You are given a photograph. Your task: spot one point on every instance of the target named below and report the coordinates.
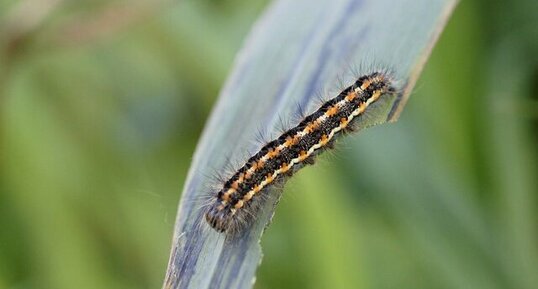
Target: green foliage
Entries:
(98, 129)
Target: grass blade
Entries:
(296, 50)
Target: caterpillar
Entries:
(235, 205)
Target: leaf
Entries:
(296, 50)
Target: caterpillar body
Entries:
(236, 204)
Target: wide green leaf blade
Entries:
(297, 51)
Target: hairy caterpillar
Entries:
(234, 206)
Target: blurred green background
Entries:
(102, 103)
